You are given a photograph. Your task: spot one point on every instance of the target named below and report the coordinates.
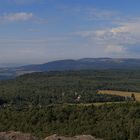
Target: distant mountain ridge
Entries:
(85, 63)
(70, 64)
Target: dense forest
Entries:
(110, 122)
(66, 87)
(49, 103)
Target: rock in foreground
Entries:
(16, 136)
(22, 136)
(81, 137)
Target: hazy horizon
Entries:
(35, 32)
(8, 65)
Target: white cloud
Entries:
(24, 41)
(116, 39)
(22, 2)
(90, 12)
(98, 14)
(132, 26)
(20, 16)
(114, 49)
(111, 38)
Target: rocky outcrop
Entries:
(81, 137)
(11, 135)
(16, 136)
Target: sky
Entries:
(39, 31)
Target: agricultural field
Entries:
(120, 93)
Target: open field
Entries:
(120, 93)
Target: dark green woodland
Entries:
(64, 103)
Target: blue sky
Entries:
(38, 31)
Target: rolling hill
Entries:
(69, 64)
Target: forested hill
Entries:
(65, 87)
(81, 64)
(86, 63)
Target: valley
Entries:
(72, 103)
